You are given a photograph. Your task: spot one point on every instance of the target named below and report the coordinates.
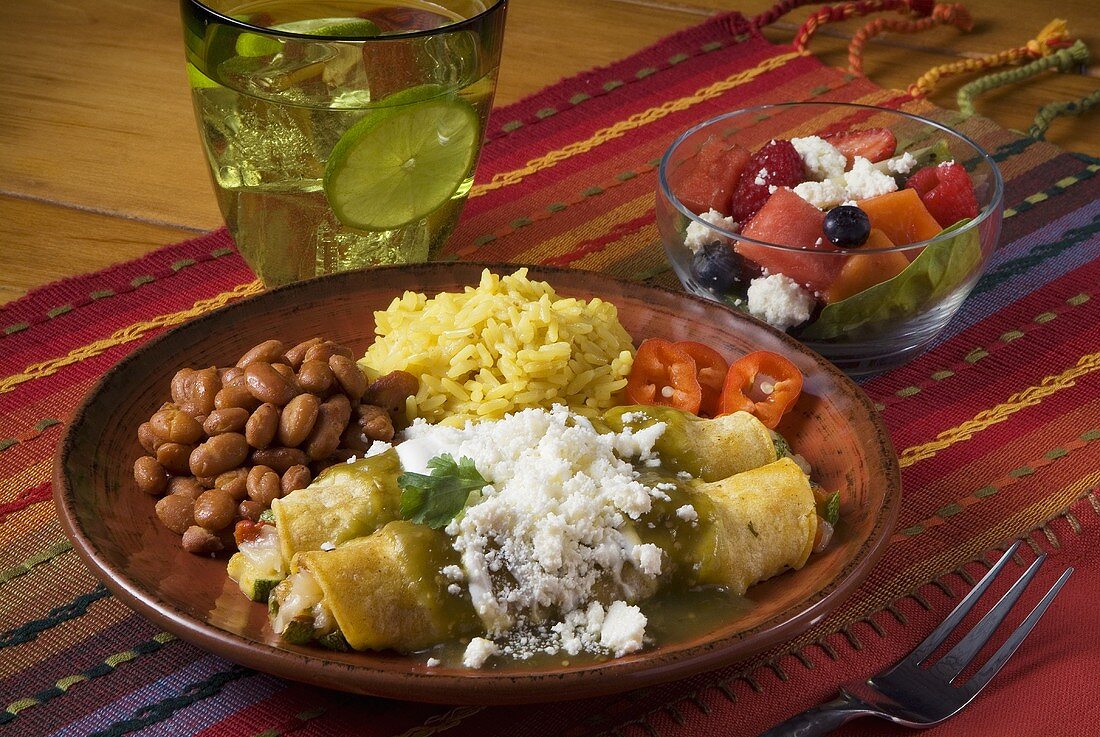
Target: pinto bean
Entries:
(230, 419)
(288, 373)
(375, 422)
(200, 541)
(176, 512)
(351, 379)
(231, 373)
(150, 476)
(250, 509)
(262, 426)
(354, 440)
(186, 486)
(332, 420)
(196, 388)
(219, 454)
(279, 459)
(235, 393)
(233, 482)
(215, 510)
(297, 419)
(263, 485)
(148, 439)
(390, 392)
(268, 385)
(325, 350)
(297, 354)
(270, 351)
(296, 477)
(176, 426)
(175, 458)
(316, 377)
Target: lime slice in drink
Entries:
(197, 79)
(402, 161)
(255, 44)
(350, 28)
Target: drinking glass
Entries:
(341, 134)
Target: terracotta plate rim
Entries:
(486, 687)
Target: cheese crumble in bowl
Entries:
(858, 230)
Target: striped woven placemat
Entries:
(997, 429)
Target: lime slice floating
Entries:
(255, 44)
(197, 79)
(403, 160)
(351, 28)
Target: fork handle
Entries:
(822, 719)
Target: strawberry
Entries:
(946, 191)
(873, 144)
(776, 164)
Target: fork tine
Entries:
(950, 665)
(986, 672)
(934, 640)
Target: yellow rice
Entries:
(508, 344)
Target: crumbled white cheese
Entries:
(946, 163)
(683, 475)
(687, 513)
(623, 629)
(865, 180)
(378, 447)
(478, 651)
(454, 589)
(550, 531)
(453, 573)
(902, 164)
(648, 558)
(779, 301)
(433, 662)
(761, 178)
(328, 545)
(699, 235)
(822, 195)
(822, 159)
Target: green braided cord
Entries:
(1048, 113)
(1063, 60)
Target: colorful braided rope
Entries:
(943, 14)
(1062, 60)
(1051, 38)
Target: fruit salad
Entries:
(841, 203)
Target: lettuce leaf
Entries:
(938, 270)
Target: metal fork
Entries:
(916, 696)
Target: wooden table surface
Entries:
(100, 160)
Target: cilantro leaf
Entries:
(782, 447)
(268, 515)
(832, 508)
(437, 499)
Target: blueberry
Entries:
(717, 266)
(847, 225)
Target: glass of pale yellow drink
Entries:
(341, 134)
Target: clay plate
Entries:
(113, 526)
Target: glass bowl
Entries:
(876, 327)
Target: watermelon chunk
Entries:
(788, 220)
(707, 181)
